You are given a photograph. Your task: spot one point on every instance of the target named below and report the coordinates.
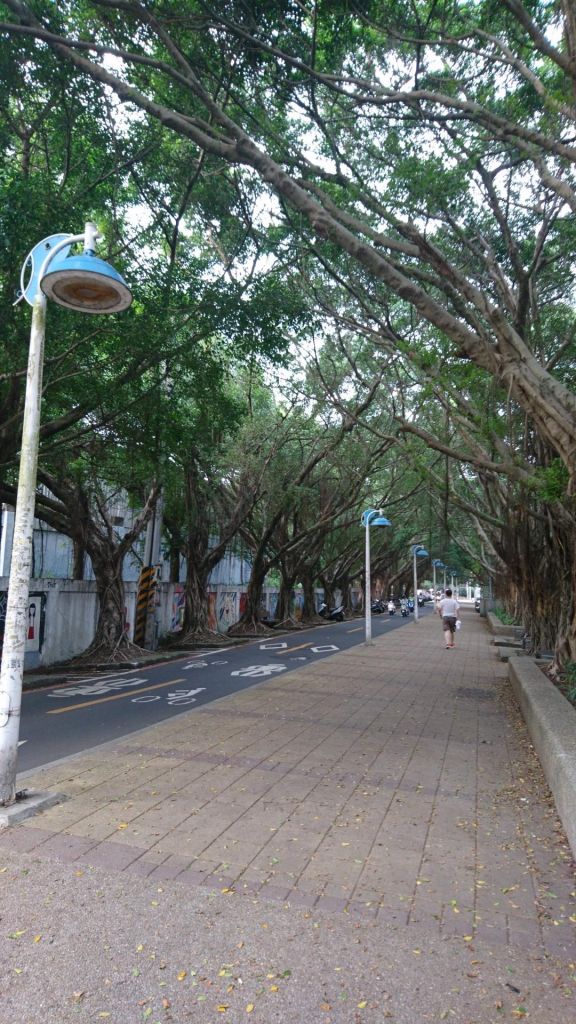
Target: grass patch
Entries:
(505, 618)
(567, 683)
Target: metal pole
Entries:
(434, 584)
(13, 650)
(368, 589)
(415, 588)
(12, 666)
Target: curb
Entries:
(551, 722)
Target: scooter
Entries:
(410, 605)
(332, 614)
(404, 611)
(377, 607)
(391, 608)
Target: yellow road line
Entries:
(290, 649)
(115, 696)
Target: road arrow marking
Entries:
(273, 647)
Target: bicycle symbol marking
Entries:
(178, 698)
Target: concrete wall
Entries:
(63, 613)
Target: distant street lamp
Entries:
(89, 285)
(437, 564)
(371, 517)
(417, 552)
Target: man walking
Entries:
(449, 611)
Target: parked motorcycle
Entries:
(477, 604)
(332, 614)
(377, 607)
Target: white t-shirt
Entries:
(448, 606)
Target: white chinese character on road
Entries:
(259, 670)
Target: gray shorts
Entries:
(449, 622)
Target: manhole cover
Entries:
(470, 693)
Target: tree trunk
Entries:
(250, 621)
(285, 614)
(79, 560)
(174, 566)
(111, 642)
(309, 613)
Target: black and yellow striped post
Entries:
(144, 601)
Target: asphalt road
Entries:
(60, 720)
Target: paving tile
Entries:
(301, 791)
(23, 838)
(170, 868)
(65, 847)
(300, 898)
(110, 856)
(141, 867)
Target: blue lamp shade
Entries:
(421, 553)
(374, 517)
(87, 284)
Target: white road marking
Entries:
(104, 686)
(259, 670)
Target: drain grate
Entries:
(471, 693)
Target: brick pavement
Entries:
(393, 782)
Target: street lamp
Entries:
(417, 552)
(437, 564)
(89, 285)
(371, 517)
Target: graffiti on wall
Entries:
(178, 604)
(35, 620)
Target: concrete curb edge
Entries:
(551, 722)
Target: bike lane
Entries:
(61, 720)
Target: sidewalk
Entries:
(368, 838)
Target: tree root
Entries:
(197, 638)
(249, 627)
(289, 623)
(108, 654)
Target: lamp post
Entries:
(90, 285)
(371, 517)
(437, 564)
(417, 552)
